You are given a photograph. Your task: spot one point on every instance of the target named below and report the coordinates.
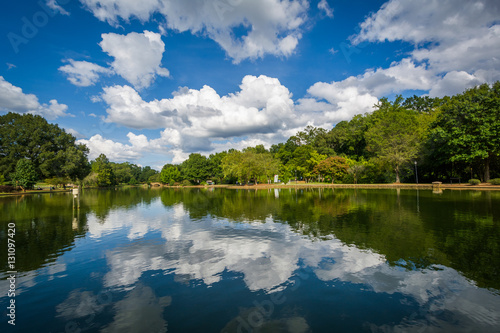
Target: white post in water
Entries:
(76, 195)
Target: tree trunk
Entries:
(487, 169)
(397, 173)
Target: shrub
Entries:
(203, 183)
(90, 180)
(474, 181)
(186, 182)
(495, 181)
(6, 189)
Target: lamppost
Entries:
(416, 172)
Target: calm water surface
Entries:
(215, 260)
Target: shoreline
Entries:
(481, 187)
(484, 186)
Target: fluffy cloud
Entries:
(137, 57)
(475, 53)
(116, 151)
(428, 20)
(453, 37)
(83, 73)
(52, 111)
(342, 100)
(261, 112)
(272, 26)
(13, 99)
(262, 105)
(453, 82)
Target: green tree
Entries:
(145, 173)
(268, 165)
(75, 164)
(284, 151)
(423, 104)
(335, 167)
(195, 168)
(25, 174)
(356, 169)
(215, 166)
(305, 158)
(468, 127)
(105, 175)
(46, 145)
(348, 137)
(154, 178)
(249, 165)
(170, 174)
(395, 135)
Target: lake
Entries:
(273, 260)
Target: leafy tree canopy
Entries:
(25, 174)
(170, 174)
(50, 149)
(468, 127)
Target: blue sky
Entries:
(152, 81)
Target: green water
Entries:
(287, 260)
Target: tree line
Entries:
(432, 138)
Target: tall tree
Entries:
(348, 137)
(25, 174)
(395, 135)
(46, 145)
(75, 164)
(195, 168)
(468, 127)
(170, 174)
(215, 166)
(105, 175)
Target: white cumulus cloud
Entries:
(263, 105)
(117, 151)
(13, 99)
(271, 26)
(83, 73)
(137, 56)
(453, 37)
